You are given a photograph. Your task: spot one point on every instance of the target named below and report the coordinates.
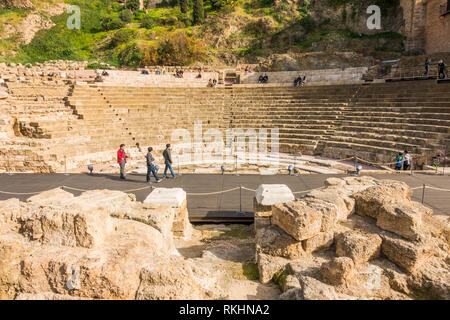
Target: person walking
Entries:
(407, 160)
(122, 160)
(399, 161)
(427, 66)
(151, 166)
(441, 68)
(167, 154)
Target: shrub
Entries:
(147, 22)
(199, 13)
(121, 36)
(110, 23)
(133, 5)
(184, 6)
(126, 15)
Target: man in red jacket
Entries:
(122, 160)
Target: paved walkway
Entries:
(218, 207)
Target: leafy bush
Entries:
(219, 4)
(147, 22)
(110, 23)
(126, 15)
(121, 36)
(133, 5)
(177, 48)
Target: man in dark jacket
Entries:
(168, 161)
(151, 166)
(441, 68)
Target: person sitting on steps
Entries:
(168, 161)
(298, 81)
(151, 169)
(263, 78)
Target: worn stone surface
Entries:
(339, 197)
(370, 201)
(270, 194)
(409, 255)
(338, 271)
(358, 245)
(321, 241)
(403, 218)
(276, 242)
(169, 279)
(303, 219)
(52, 196)
(314, 289)
(268, 266)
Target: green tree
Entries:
(199, 14)
(184, 6)
(133, 5)
(147, 22)
(126, 15)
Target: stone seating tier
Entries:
(88, 123)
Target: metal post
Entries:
(9, 166)
(240, 212)
(65, 166)
(423, 193)
(445, 159)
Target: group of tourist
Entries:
(299, 81)
(122, 157)
(263, 78)
(212, 83)
(403, 161)
(179, 73)
(442, 72)
(160, 71)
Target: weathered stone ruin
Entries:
(357, 238)
(55, 116)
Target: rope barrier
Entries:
(199, 194)
(21, 193)
(126, 191)
(212, 193)
(376, 163)
(438, 189)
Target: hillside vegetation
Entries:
(177, 32)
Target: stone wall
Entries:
(425, 26)
(316, 76)
(437, 34)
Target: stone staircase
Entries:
(87, 123)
